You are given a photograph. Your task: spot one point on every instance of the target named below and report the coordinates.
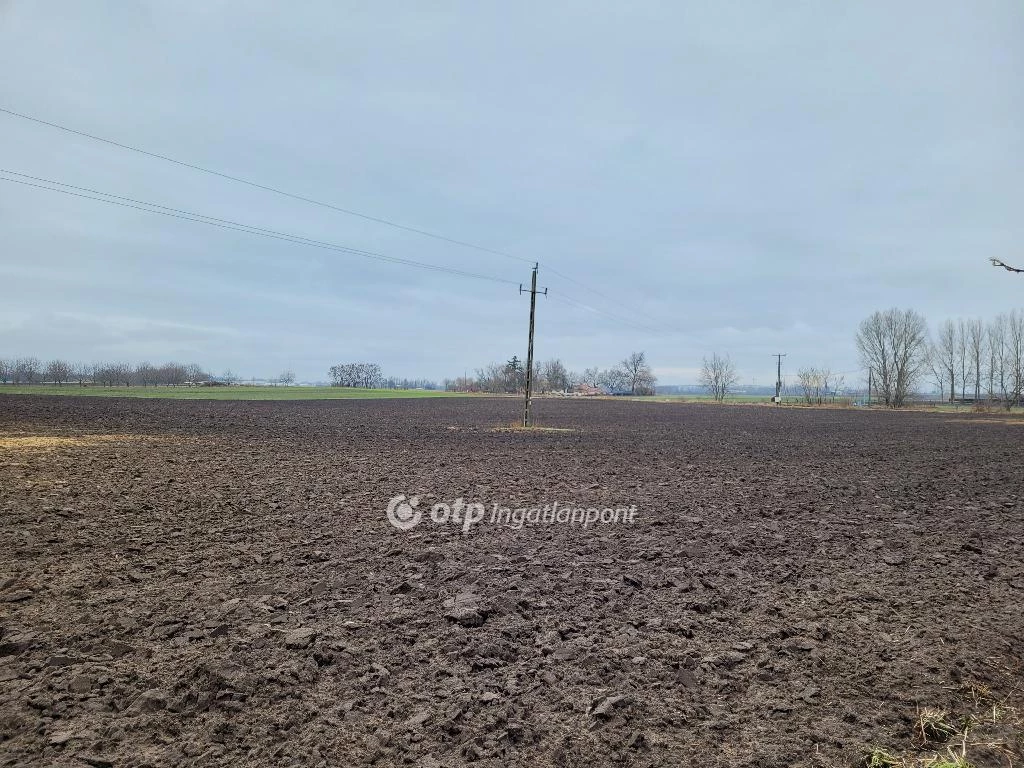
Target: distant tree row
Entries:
(985, 360)
(369, 376)
(30, 370)
(395, 382)
(819, 385)
(633, 375)
(982, 360)
(366, 375)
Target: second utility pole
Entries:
(529, 349)
(778, 378)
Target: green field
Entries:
(223, 393)
(696, 398)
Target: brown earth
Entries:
(217, 583)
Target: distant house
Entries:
(586, 390)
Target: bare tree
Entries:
(937, 370)
(995, 345)
(195, 374)
(59, 371)
(113, 374)
(6, 371)
(172, 374)
(1015, 357)
(637, 375)
(817, 384)
(1005, 342)
(146, 375)
(490, 378)
(962, 355)
(893, 345)
(828, 384)
(366, 375)
(287, 378)
(122, 373)
(555, 375)
(718, 375)
(102, 374)
(944, 355)
(646, 383)
(27, 370)
(811, 384)
(614, 380)
(460, 384)
(84, 372)
(838, 384)
(975, 337)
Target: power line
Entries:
(252, 230)
(186, 215)
(625, 321)
(604, 296)
(197, 215)
(573, 280)
(144, 205)
(617, 318)
(228, 224)
(303, 198)
(267, 187)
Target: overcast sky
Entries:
(745, 177)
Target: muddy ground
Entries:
(217, 583)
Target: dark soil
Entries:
(217, 583)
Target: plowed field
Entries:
(218, 583)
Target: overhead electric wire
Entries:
(268, 188)
(619, 319)
(303, 198)
(202, 216)
(610, 299)
(594, 291)
(249, 229)
(186, 215)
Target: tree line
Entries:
(632, 375)
(30, 370)
(366, 375)
(983, 359)
(967, 360)
(370, 376)
(819, 385)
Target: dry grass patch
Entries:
(533, 428)
(53, 442)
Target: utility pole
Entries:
(529, 349)
(778, 377)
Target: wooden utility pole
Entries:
(778, 378)
(529, 349)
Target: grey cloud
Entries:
(750, 177)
